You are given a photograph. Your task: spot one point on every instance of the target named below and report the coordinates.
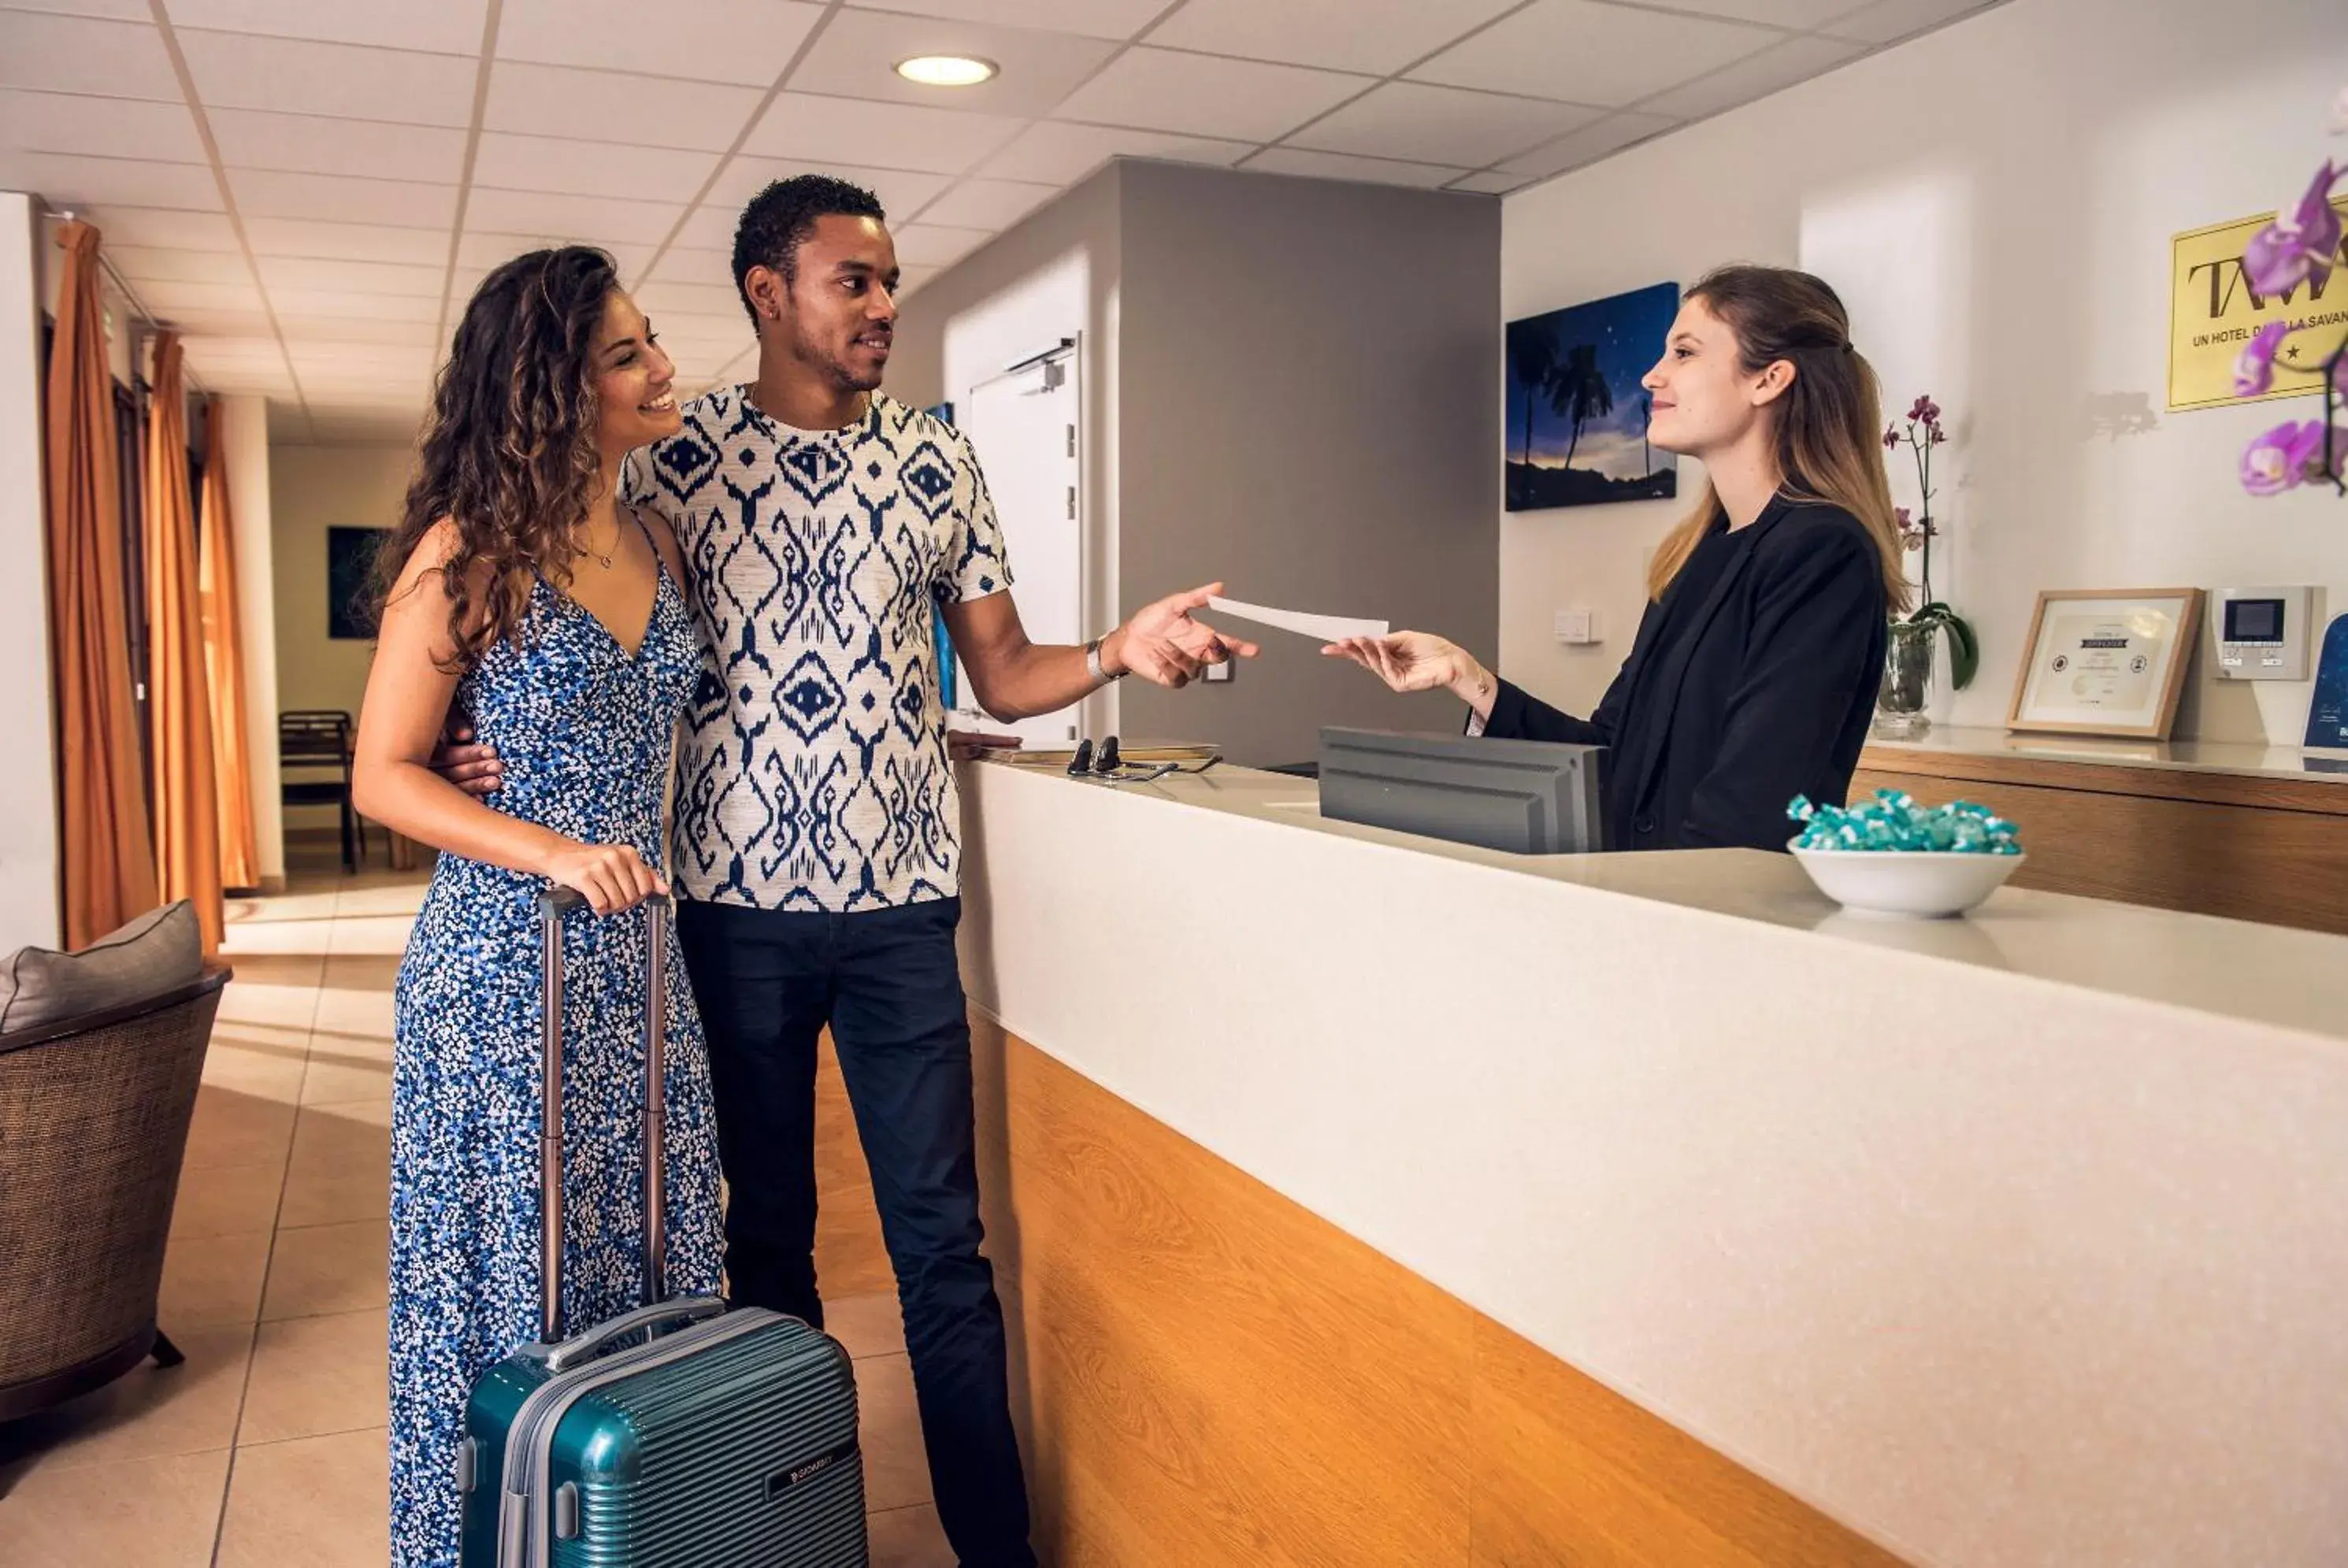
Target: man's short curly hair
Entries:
(779, 219)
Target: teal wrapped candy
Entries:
(1893, 820)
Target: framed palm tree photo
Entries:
(1576, 427)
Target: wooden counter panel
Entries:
(1209, 1374)
(2325, 795)
(2243, 862)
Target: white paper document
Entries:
(1327, 628)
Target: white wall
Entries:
(28, 804)
(311, 489)
(1995, 203)
(244, 446)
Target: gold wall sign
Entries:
(2213, 312)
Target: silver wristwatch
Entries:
(1092, 663)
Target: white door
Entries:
(1024, 428)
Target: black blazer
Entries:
(1764, 692)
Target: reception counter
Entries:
(1365, 1200)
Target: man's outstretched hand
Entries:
(1167, 644)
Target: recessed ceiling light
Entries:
(946, 70)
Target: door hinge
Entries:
(1072, 440)
(1072, 503)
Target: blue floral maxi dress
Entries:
(583, 731)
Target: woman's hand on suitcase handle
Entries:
(611, 877)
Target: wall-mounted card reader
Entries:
(2263, 632)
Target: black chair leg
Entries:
(350, 864)
(165, 1353)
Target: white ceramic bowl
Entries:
(1922, 883)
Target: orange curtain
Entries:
(178, 702)
(240, 858)
(106, 857)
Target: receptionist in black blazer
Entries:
(1754, 673)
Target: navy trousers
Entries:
(887, 983)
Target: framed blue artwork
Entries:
(948, 686)
(1576, 430)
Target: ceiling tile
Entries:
(98, 127)
(1202, 95)
(439, 26)
(213, 321)
(1379, 37)
(741, 41)
(367, 306)
(352, 277)
(128, 225)
(1771, 70)
(1798, 14)
(171, 296)
(857, 54)
(1586, 53)
(988, 203)
(1441, 125)
(69, 182)
(1491, 182)
(1058, 153)
(140, 264)
(82, 55)
(589, 220)
(120, 10)
(1095, 19)
(683, 263)
(483, 249)
(1590, 144)
(345, 329)
(401, 203)
(234, 70)
(744, 178)
(603, 106)
(928, 245)
(702, 298)
(314, 144)
(548, 163)
(709, 227)
(1340, 166)
(347, 242)
(912, 278)
(1890, 20)
(808, 129)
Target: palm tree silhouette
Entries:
(1533, 361)
(1578, 391)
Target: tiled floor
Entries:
(266, 1448)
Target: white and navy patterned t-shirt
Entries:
(814, 773)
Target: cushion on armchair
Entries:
(159, 952)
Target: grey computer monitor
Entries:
(1530, 797)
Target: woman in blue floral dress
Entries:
(519, 594)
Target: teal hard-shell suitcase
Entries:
(679, 1435)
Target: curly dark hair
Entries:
(509, 451)
(779, 219)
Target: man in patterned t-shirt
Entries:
(818, 852)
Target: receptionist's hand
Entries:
(1421, 661)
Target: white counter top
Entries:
(2245, 759)
(2011, 1240)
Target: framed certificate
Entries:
(2107, 661)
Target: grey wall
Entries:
(1309, 377)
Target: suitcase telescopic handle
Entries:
(552, 905)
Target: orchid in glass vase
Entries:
(2302, 245)
(1923, 432)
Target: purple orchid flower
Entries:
(1910, 534)
(2280, 459)
(2299, 244)
(2254, 366)
(1926, 410)
(1890, 436)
